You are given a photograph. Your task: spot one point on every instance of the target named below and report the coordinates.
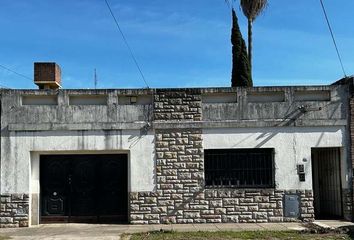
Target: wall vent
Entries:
(264, 97)
(322, 95)
(39, 100)
(219, 98)
(88, 100)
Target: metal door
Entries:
(327, 183)
(84, 188)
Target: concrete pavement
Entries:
(333, 224)
(110, 232)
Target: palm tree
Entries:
(251, 9)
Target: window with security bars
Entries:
(239, 168)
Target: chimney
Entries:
(47, 75)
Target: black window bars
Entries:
(239, 168)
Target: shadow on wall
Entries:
(265, 134)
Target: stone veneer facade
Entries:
(351, 139)
(180, 196)
(14, 209)
(347, 204)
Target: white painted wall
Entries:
(291, 145)
(23, 149)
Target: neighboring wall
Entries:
(350, 83)
(165, 132)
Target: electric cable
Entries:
(332, 35)
(19, 74)
(127, 44)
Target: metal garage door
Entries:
(84, 188)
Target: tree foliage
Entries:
(241, 72)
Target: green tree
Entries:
(251, 9)
(241, 72)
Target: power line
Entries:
(19, 74)
(127, 44)
(95, 78)
(334, 40)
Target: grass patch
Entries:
(4, 238)
(267, 235)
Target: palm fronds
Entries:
(252, 8)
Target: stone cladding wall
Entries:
(219, 206)
(181, 104)
(351, 135)
(14, 209)
(347, 204)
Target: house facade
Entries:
(157, 156)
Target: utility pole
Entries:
(95, 79)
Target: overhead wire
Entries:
(17, 73)
(127, 44)
(13, 71)
(333, 38)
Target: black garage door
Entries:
(84, 188)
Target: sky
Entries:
(184, 43)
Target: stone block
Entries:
(275, 219)
(230, 201)
(220, 210)
(260, 199)
(150, 200)
(215, 203)
(230, 219)
(200, 220)
(246, 217)
(6, 220)
(246, 200)
(217, 220)
(253, 208)
(184, 221)
(184, 175)
(189, 214)
(198, 175)
(151, 216)
(139, 222)
(159, 210)
(134, 207)
(134, 217)
(241, 208)
(260, 215)
(168, 220)
(199, 207)
(267, 205)
(177, 196)
(16, 197)
(207, 212)
(166, 202)
(224, 193)
(238, 194)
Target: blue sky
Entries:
(184, 43)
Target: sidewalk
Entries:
(103, 232)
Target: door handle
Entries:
(69, 180)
